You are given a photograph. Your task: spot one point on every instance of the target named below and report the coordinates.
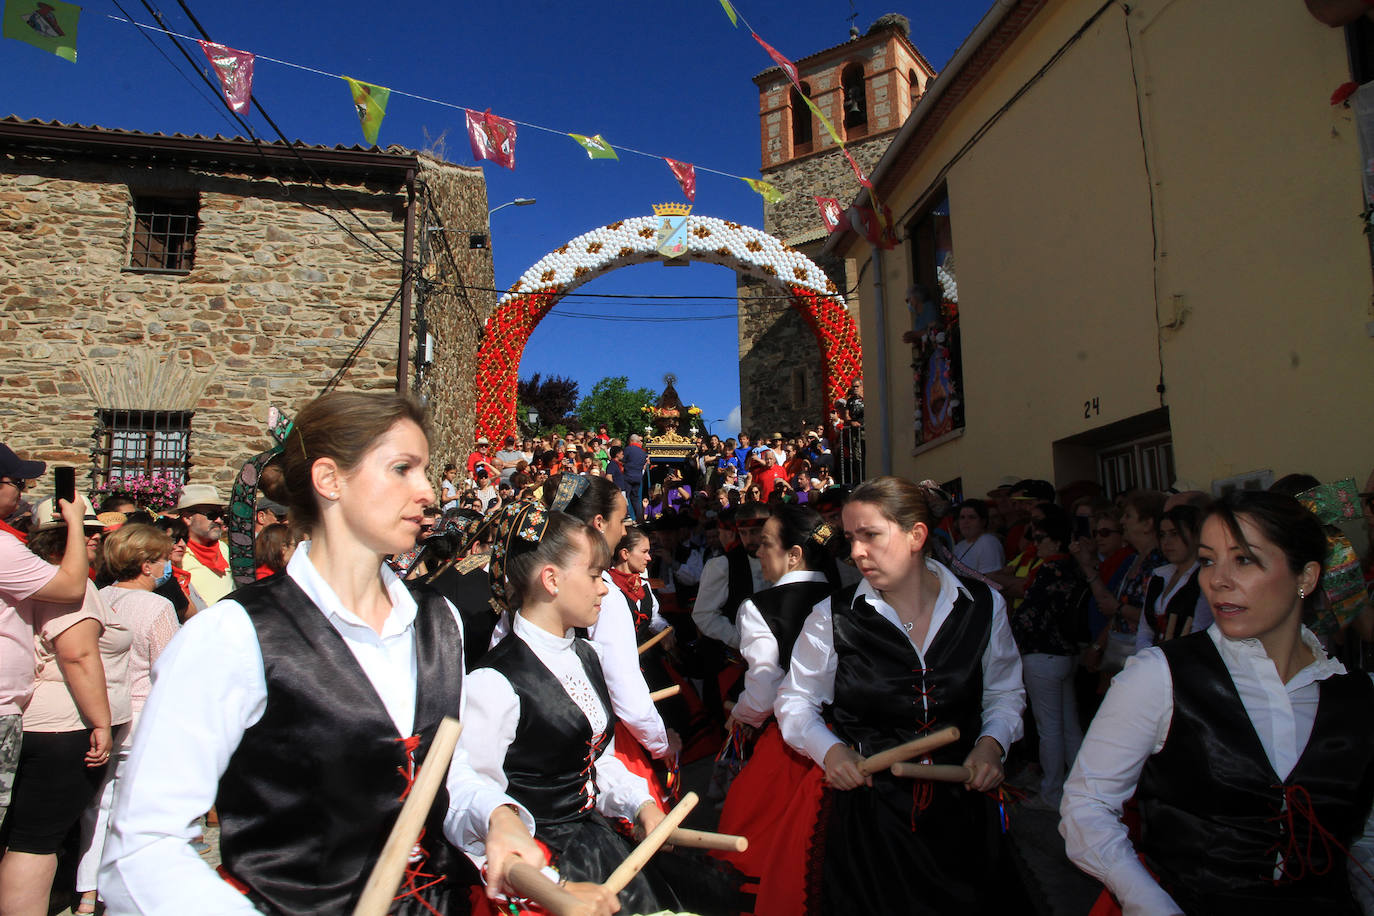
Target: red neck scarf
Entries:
(209, 556)
(629, 583)
(23, 538)
(183, 579)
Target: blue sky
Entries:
(667, 79)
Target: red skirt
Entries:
(774, 803)
(637, 760)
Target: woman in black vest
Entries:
(299, 704)
(1174, 605)
(795, 554)
(540, 723)
(1249, 751)
(909, 650)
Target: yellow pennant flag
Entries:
(370, 103)
(730, 11)
(770, 193)
(596, 147)
(825, 122)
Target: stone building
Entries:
(866, 87)
(160, 292)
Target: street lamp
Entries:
(534, 419)
(518, 202)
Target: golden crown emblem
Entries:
(675, 209)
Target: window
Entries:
(801, 120)
(131, 443)
(855, 98)
(915, 82)
(933, 302)
(164, 236)
(1146, 463)
(798, 388)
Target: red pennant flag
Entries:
(858, 172)
(787, 66)
(871, 226)
(686, 175)
(235, 72)
(491, 137)
(830, 212)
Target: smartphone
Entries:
(1081, 526)
(64, 483)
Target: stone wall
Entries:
(781, 369)
(278, 296)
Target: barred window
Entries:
(133, 443)
(164, 236)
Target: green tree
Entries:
(612, 402)
(554, 398)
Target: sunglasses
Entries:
(210, 514)
(20, 485)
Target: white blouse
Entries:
(208, 689)
(810, 681)
(493, 715)
(759, 647)
(1132, 725)
(1202, 611)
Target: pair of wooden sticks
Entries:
(894, 759)
(379, 892)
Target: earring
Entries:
(1302, 592)
(555, 591)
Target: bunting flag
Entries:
(49, 25)
(730, 11)
(686, 175)
(596, 147)
(872, 226)
(858, 172)
(787, 66)
(235, 72)
(370, 103)
(770, 193)
(825, 122)
(492, 137)
(830, 212)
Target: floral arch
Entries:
(634, 241)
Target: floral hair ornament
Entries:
(822, 534)
(242, 498)
(518, 529)
(1342, 585)
(570, 486)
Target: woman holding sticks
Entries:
(1249, 751)
(794, 554)
(300, 705)
(540, 723)
(909, 650)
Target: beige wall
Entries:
(1256, 196)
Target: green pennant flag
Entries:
(46, 24)
(730, 11)
(596, 147)
(370, 103)
(770, 193)
(825, 122)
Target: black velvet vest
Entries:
(643, 614)
(1183, 604)
(548, 765)
(784, 608)
(739, 583)
(470, 593)
(883, 695)
(314, 787)
(1212, 808)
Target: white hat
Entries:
(45, 509)
(198, 494)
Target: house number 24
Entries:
(1091, 409)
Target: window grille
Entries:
(142, 442)
(164, 236)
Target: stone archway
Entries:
(633, 241)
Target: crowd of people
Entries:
(1192, 679)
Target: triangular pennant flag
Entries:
(730, 11)
(830, 212)
(235, 72)
(858, 172)
(787, 66)
(870, 225)
(770, 193)
(825, 122)
(491, 137)
(686, 175)
(46, 24)
(370, 103)
(596, 147)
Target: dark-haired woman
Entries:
(298, 705)
(909, 650)
(1249, 751)
(1174, 603)
(977, 548)
(186, 601)
(540, 724)
(772, 801)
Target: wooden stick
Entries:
(380, 890)
(665, 693)
(637, 859)
(701, 839)
(530, 883)
(935, 772)
(1169, 627)
(885, 759)
(655, 639)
